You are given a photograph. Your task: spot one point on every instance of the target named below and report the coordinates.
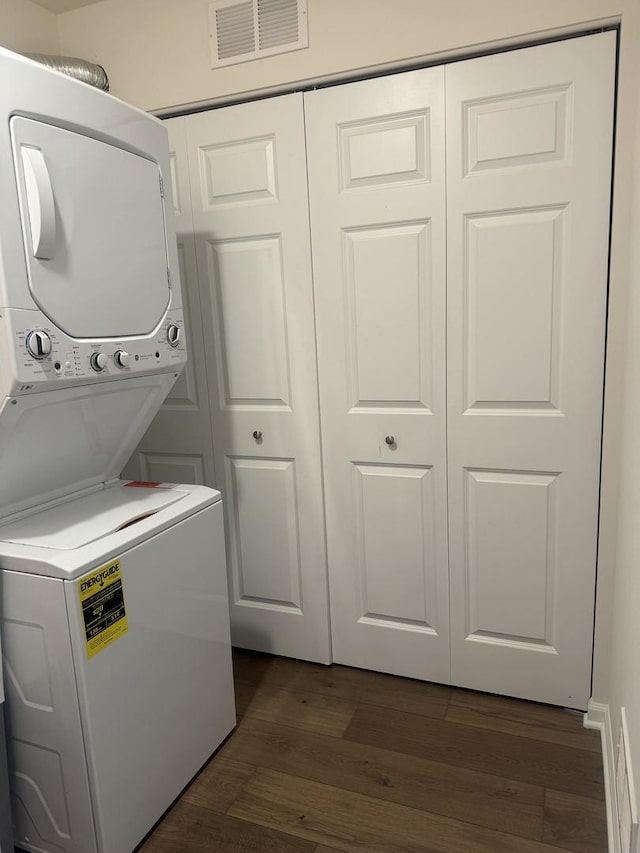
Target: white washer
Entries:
(115, 620)
(102, 745)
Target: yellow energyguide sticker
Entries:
(102, 602)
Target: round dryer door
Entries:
(94, 231)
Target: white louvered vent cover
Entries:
(250, 29)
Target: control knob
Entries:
(38, 344)
(121, 358)
(98, 361)
(173, 335)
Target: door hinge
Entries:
(169, 277)
(161, 186)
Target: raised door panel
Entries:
(237, 171)
(510, 544)
(385, 150)
(265, 533)
(512, 302)
(250, 321)
(172, 468)
(376, 178)
(248, 184)
(521, 129)
(178, 445)
(394, 515)
(388, 314)
(528, 180)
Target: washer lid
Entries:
(58, 442)
(68, 539)
(77, 523)
(94, 232)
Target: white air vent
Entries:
(250, 29)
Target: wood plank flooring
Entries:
(329, 759)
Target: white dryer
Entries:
(114, 604)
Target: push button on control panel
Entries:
(38, 344)
(121, 358)
(173, 335)
(98, 361)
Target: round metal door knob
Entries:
(257, 434)
(390, 439)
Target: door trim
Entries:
(443, 57)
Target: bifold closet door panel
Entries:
(178, 447)
(376, 179)
(250, 207)
(529, 146)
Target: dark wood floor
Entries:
(333, 758)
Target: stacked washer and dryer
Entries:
(115, 626)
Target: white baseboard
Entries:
(598, 716)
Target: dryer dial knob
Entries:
(173, 335)
(38, 344)
(98, 361)
(122, 358)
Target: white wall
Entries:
(156, 54)
(617, 391)
(625, 648)
(27, 28)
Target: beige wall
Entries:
(156, 52)
(617, 393)
(27, 28)
(624, 682)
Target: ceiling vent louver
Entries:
(251, 29)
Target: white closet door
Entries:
(376, 179)
(528, 179)
(248, 186)
(178, 447)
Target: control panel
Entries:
(44, 353)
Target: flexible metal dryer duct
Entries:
(94, 75)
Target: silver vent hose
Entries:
(94, 75)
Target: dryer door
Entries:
(94, 231)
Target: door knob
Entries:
(390, 439)
(257, 434)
